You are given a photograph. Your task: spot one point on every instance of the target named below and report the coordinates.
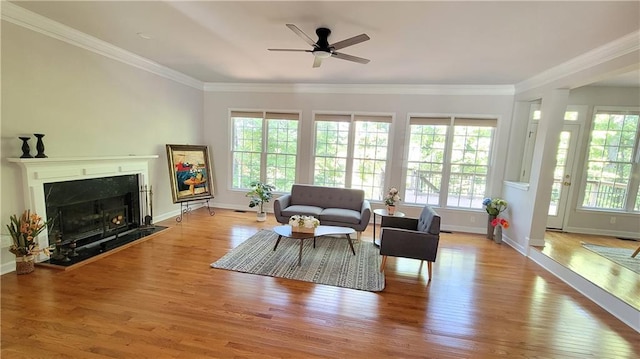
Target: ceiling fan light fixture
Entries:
(321, 54)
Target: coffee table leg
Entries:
(351, 245)
(278, 241)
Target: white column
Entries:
(554, 105)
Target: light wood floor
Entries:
(160, 299)
(566, 249)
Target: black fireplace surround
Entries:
(89, 210)
(92, 216)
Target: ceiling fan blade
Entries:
(350, 58)
(317, 61)
(296, 50)
(304, 36)
(350, 41)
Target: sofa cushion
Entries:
(327, 197)
(340, 215)
(302, 210)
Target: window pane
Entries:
(425, 165)
(471, 149)
(370, 157)
(332, 140)
(610, 160)
(246, 150)
(558, 173)
(282, 147)
(246, 168)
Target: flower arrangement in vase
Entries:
(24, 231)
(499, 223)
(493, 207)
(390, 200)
(303, 224)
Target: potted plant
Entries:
(390, 200)
(24, 231)
(260, 194)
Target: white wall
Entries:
(88, 105)
(217, 132)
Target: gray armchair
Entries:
(411, 237)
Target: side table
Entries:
(382, 213)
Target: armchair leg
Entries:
(358, 235)
(384, 262)
(429, 267)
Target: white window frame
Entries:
(450, 121)
(634, 178)
(352, 118)
(265, 116)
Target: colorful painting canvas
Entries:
(190, 172)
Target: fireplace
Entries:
(90, 210)
(92, 200)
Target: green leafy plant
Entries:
(494, 206)
(260, 194)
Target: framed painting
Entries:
(190, 172)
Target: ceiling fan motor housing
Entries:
(323, 42)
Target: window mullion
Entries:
(446, 168)
(350, 152)
(263, 153)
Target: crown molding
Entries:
(30, 20)
(370, 89)
(625, 45)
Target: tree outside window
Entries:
(448, 161)
(264, 148)
(612, 171)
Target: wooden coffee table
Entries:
(285, 231)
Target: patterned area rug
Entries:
(331, 262)
(622, 256)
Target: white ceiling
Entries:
(418, 42)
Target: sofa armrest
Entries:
(365, 212)
(405, 243)
(279, 204)
(399, 222)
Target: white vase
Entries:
(261, 216)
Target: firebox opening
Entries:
(90, 210)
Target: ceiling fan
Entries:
(322, 49)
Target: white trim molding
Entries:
(38, 23)
(373, 89)
(600, 55)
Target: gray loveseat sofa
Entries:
(342, 207)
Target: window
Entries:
(351, 151)
(448, 161)
(264, 147)
(612, 169)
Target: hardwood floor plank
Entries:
(161, 299)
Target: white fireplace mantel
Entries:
(38, 171)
